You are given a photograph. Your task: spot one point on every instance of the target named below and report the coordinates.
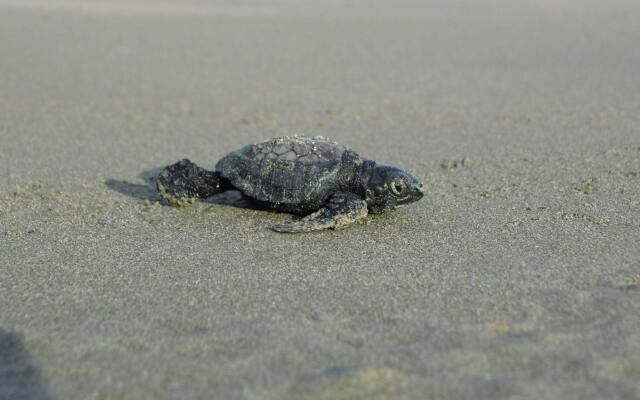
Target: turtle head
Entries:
(391, 187)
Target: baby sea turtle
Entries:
(299, 175)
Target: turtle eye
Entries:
(397, 187)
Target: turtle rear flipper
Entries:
(184, 182)
(341, 209)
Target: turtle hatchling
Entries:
(328, 184)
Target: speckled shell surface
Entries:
(287, 170)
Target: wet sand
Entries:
(517, 276)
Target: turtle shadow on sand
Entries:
(19, 378)
(147, 191)
(136, 190)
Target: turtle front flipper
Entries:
(184, 182)
(341, 209)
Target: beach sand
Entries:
(517, 276)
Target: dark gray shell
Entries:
(287, 170)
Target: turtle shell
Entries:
(286, 170)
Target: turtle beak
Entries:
(419, 188)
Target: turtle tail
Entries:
(184, 182)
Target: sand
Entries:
(517, 276)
